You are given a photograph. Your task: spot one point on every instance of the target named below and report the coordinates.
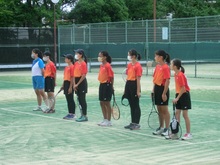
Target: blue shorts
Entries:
(38, 82)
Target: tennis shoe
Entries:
(70, 117)
(50, 111)
(109, 123)
(187, 136)
(158, 131)
(135, 126)
(165, 132)
(172, 136)
(38, 109)
(105, 123)
(128, 126)
(82, 119)
(99, 124)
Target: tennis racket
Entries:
(80, 107)
(115, 108)
(177, 132)
(52, 101)
(124, 74)
(153, 118)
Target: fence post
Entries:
(196, 30)
(107, 32)
(89, 33)
(126, 32)
(147, 46)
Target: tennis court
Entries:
(28, 137)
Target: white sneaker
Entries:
(165, 132)
(45, 110)
(37, 109)
(158, 131)
(109, 123)
(99, 124)
(105, 123)
(172, 136)
(187, 136)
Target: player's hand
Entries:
(164, 97)
(175, 100)
(75, 87)
(138, 94)
(70, 90)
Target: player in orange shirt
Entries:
(68, 86)
(106, 79)
(50, 78)
(133, 88)
(80, 82)
(161, 81)
(182, 99)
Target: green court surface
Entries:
(35, 138)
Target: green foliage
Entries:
(89, 11)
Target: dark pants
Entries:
(69, 98)
(81, 94)
(131, 95)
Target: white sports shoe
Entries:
(172, 136)
(37, 109)
(99, 124)
(166, 132)
(187, 136)
(109, 123)
(158, 131)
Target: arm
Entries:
(166, 86)
(182, 90)
(42, 71)
(138, 87)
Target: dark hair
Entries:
(178, 64)
(133, 52)
(108, 57)
(166, 56)
(81, 51)
(38, 52)
(70, 57)
(47, 53)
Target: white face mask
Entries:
(76, 57)
(129, 58)
(32, 56)
(45, 59)
(99, 59)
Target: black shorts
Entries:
(49, 84)
(184, 103)
(83, 87)
(105, 92)
(158, 91)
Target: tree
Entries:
(90, 11)
(140, 9)
(186, 8)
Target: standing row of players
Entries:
(74, 80)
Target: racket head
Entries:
(153, 120)
(115, 111)
(115, 108)
(124, 100)
(124, 74)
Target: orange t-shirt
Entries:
(161, 73)
(80, 69)
(105, 73)
(133, 71)
(50, 70)
(68, 72)
(180, 81)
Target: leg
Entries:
(50, 95)
(39, 99)
(161, 117)
(187, 121)
(82, 102)
(102, 104)
(166, 115)
(137, 111)
(108, 110)
(70, 103)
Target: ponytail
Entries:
(138, 56)
(182, 69)
(85, 58)
(167, 58)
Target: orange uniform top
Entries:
(180, 81)
(80, 69)
(134, 71)
(68, 72)
(161, 73)
(105, 73)
(50, 70)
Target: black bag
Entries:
(174, 126)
